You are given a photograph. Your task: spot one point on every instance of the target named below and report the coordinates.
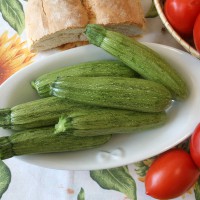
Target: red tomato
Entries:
(182, 14)
(196, 33)
(195, 145)
(171, 175)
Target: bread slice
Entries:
(125, 16)
(51, 23)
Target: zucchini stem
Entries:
(5, 148)
(63, 124)
(33, 85)
(5, 118)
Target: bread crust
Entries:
(51, 23)
(115, 12)
(47, 19)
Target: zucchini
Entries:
(114, 92)
(107, 121)
(146, 62)
(37, 113)
(43, 140)
(93, 68)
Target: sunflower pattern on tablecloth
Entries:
(13, 13)
(14, 55)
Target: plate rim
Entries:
(56, 56)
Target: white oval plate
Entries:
(121, 149)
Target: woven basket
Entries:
(159, 7)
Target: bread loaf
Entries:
(51, 23)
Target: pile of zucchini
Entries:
(83, 105)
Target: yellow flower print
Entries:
(13, 55)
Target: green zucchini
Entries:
(93, 68)
(114, 92)
(146, 62)
(108, 121)
(37, 113)
(43, 140)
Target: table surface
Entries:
(30, 182)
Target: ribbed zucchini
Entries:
(93, 68)
(146, 62)
(108, 121)
(43, 140)
(37, 113)
(115, 92)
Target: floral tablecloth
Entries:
(30, 182)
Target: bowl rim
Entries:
(159, 7)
